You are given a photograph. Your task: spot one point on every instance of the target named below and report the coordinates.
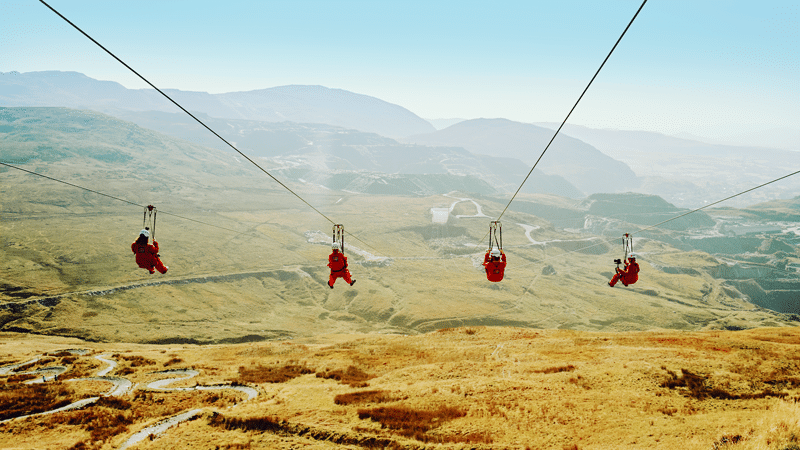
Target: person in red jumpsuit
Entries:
(627, 275)
(338, 264)
(147, 254)
(495, 264)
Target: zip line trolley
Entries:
(149, 220)
(338, 236)
(627, 248)
(495, 235)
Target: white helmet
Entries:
(495, 253)
(632, 256)
(145, 233)
(335, 246)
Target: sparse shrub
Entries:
(580, 381)
(470, 331)
(698, 388)
(114, 403)
(26, 367)
(557, 369)
(101, 423)
(263, 374)
(277, 425)
(726, 440)
(137, 361)
(21, 378)
(666, 410)
(352, 376)
(24, 399)
(364, 397)
(173, 361)
(410, 422)
(265, 423)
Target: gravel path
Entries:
(164, 425)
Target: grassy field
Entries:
(421, 352)
(467, 387)
(247, 258)
(68, 270)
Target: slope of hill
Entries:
(313, 104)
(580, 163)
(299, 149)
(247, 259)
(691, 173)
(459, 388)
(319, 104)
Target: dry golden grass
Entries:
(22, 399)
(234, 292)
(458, 388)
(262, 374)
(352, 376)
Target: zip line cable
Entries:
(122, 199)
(143, 206)
(571, 110)
(609, 241)
(322, 214)
(718, 201)
(198, 120)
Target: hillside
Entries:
(312, 151)
(689, 172)
(581, 164)
(247, 258)
(457, 388)
(309, 104)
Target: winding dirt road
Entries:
(122, 386)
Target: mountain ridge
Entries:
(596, 172)
(300, 103)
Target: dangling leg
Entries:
(614, 279)
(331, 280)
(348, 278)
(160, 266)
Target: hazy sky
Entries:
(712, 68)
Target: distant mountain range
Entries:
(310, 151)
(581, 164)
(690, 172)
(305, 104)
(321, 155)
(331, 129)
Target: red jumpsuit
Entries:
(628, 275)
(494, 269)
(338, 264)
(147, 257)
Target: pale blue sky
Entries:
(712, 68)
